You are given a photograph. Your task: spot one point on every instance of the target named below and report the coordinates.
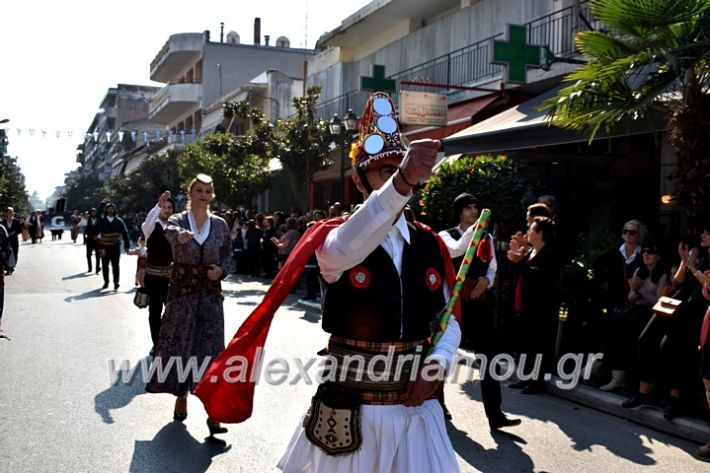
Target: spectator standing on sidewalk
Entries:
(536, 302)
(14, 229)
(704, 348)
(667, 344)
(4, 256)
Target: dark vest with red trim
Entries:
(478, 267)
(160, 253)
(372, 302)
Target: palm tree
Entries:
(655, 56)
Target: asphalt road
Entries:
(60, 412)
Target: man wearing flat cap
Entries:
(112, 229)
(477, 315)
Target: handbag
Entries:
(668, 307)
(333, 421)
(141, 299)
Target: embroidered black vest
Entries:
(478, 267)
(92, 229)
(371, 302)
(160, 253)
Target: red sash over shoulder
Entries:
(232, 401)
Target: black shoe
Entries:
(503, 421)
(98, 270)
(214, 429)
(534, 388)
(636, 401)
(105, 285)
(673, 408)
(180, 415)
(519, 385)
(115, 287)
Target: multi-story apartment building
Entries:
(120, 126)
(201, 74)
(446, 47)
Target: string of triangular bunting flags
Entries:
(94, 136)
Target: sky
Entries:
(60, 57)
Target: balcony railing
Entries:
(471, 65)
(174, 140)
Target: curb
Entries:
(688, 428)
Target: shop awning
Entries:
(459, 118)
(523, 126)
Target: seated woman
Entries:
(667, 344)
(620, 345)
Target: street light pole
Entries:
(343, 129)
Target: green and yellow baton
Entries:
(478, 232)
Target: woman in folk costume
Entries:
(192, 327)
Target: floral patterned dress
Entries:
(192, 327)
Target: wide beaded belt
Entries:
(158, 270)
(191, 279)
(109, 239)
(378, 372)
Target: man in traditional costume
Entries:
(155, 275)
(384, 285)
(91, 239)
(385, 282)
(477, 302)
(111, 228)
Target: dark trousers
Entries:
(268, 262)
(312, 283)
(113, 254)
(92, 247)
(2, 295)
(478, 329)
(15, 246)
(157, 288)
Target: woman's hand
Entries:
(184, 237)
(683, 252)
(693, 260)
(214, 273)
(635, 283)
(516, 252)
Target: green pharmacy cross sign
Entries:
(516, 55)
(378, 82)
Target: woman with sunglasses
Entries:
(646, 286)
(667, 345)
